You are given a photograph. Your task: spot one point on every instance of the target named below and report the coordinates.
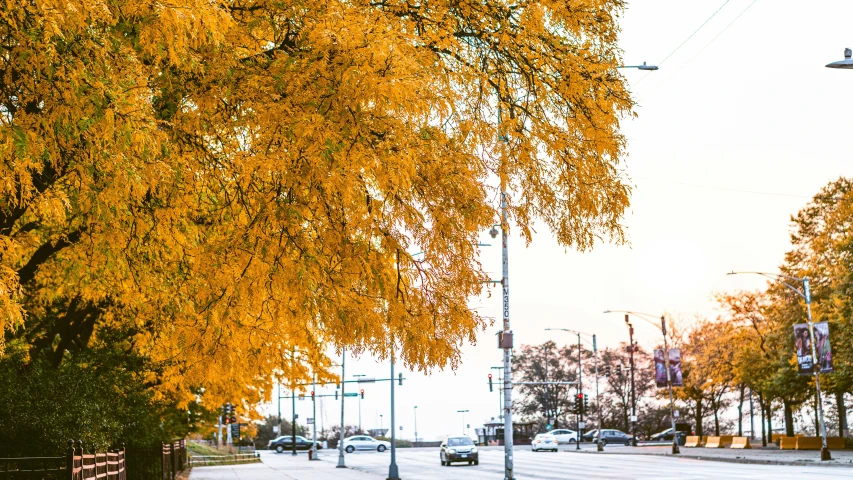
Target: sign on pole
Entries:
(351, 394)
(309, 421)
(674, 368)
(803, 345)
(235, 431)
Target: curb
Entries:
(729, 459)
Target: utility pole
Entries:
(505, 336)
(599, 446)
(751, 417)
(293, 423)
(393, 474)
(416, 424)
(669, 385)
(341, 463)
(314, 450)
(633, 396)
(579, 397)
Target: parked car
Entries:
(285, 442)
(565, 435)
(666, 436)
(458, 449)
(544, 441)
(363, 442)
(609, 436)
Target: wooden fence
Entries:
(162, 463)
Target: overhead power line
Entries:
(685, 40)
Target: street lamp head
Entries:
(847, 63)
(647, 67)
(493, 232)
(608, 311)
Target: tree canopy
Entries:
(227, 189)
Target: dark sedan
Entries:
(285, 442)
(459, 449)
(609, 436)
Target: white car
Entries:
(544, 441)
(565, 435)
(363, 442)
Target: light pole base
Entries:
(824, 454)
(675, 450)
(600, 447)
(341, 463)
(393, 473)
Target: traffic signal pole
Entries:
(580, 397)
(599, 446)
(341, 463)
(633, 396)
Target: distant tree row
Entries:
(749, 350)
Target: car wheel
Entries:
(350, 449)
(470, 462)
(572, 440)
(279, 448)
(380, 448)
(442, 463)
(476, 462)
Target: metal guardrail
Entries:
(211, 460)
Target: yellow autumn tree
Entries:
(229, 184)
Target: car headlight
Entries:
(474, 450)
(451, 450)
(538, 441)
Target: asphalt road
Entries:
(423, 463)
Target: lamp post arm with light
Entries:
(847, 63)
(807, 296)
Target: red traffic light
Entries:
(580, 396)
(362, 393)
(312, 393)
(490, 375)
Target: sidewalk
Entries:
(285, 467)
(756, 455)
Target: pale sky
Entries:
(734, 135)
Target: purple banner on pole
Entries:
(674, 368)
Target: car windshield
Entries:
(459, 442)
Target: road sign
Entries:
(235, 431)
(633, 418)
(366, 380)
(580, 424)
(547, 426)
(351, 394)
(309, 421)
(275, 429)
(302, 396)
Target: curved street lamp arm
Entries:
(778, 278)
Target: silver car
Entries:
(363, 442)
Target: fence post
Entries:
(69, 461)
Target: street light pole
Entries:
(359, 403)
(314, 450)
(341, 463)
(393, 474)
(675, 449)
(463, 420)
(669, 386)
(580, 398)
(807, 296)
(633, 396)
(416, 425)
(599, 446)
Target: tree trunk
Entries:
(763, 431)
(789, 418)
(740, 413)
(770, 419)
(716, 408)
(699, 415)
(842, 413)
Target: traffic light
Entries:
(362, 393)
(490, 383)
(336, 394)
(312, 395)
(607, 370)
(585, 402)
(619, 370)
(401, 378)
(579, 401)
